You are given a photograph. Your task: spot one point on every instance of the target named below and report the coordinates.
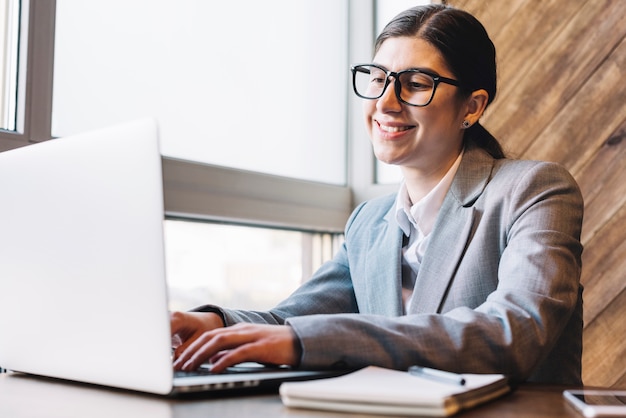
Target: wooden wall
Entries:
(562, 97)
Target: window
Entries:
(239, 266)
(254, 85)
(26, 61)
(9, 49)
(304, 218)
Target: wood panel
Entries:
(562, 98)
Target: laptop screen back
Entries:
(82, 276)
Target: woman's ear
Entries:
(476, 104)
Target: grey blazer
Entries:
(498, 289)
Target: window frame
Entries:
(207, 192)
(35, 123)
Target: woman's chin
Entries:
(386, 158)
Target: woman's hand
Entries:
(186, 327)
(224, 347)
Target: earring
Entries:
(466, 124)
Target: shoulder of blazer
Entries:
(478, 169)
(371, 211)
(473, 174)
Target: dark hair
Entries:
(466, 48)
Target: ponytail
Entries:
(483, 138)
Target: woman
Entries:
(473, 266)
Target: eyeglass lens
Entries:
(416, 87)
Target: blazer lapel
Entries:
(451, 231)
(441, 259)
(383, 269)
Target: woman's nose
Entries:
(389, 101)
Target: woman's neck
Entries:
(420, 182)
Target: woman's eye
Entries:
(417, 83)
(416, 86)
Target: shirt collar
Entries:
(422, 214)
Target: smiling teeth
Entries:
(393, 129)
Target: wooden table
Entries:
(25, 396)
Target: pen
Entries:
(439, 375)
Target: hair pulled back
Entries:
(465, 46)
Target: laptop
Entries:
(83, 290)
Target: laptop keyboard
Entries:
(205, 370)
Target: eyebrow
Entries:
(423, 69)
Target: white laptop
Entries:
(83, 292)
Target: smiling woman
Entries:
(470, 267)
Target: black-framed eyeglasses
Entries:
(414, 87)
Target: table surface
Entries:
(27, 396)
